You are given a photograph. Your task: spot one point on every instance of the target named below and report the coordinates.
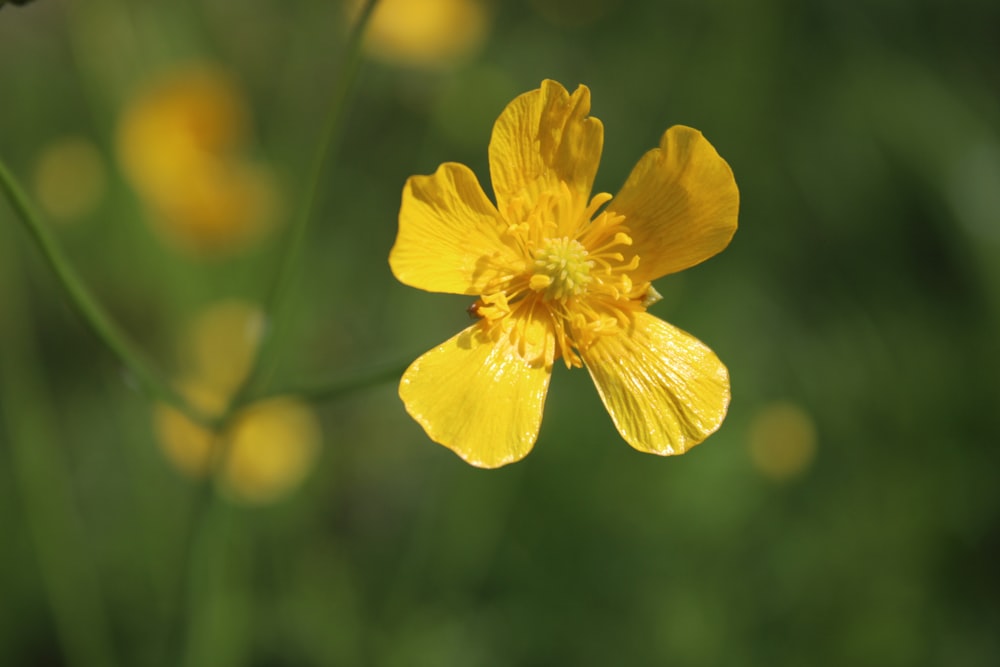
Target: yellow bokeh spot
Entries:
(782, 440)
(268, 446)
(69, 179)
(220, 343)
(425, 33)
(225, 207)
(188, 445)
(272, 445)
(182, 142)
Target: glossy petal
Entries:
(477, 396)
(543, 139)
(680, 204)
(448, 239)
(665, 390)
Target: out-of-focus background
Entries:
(848, 511)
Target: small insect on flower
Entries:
(560, 273)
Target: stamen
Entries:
(567, 274)
(596, 202)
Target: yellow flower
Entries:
(181, 142)
(269, 445)
(426, 33)
(561, 274)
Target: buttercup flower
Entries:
(561, 274)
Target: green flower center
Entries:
(561, 268)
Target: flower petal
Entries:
(665, 390)
(680, 204)
(476, 395)
(449, 238)
(543, 139)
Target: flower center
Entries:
(561, 278)
(561, 268)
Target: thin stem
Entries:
(93, 314)
(180, 630)
(181, 607)
(347, 384)
(277, 305)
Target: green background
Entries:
(863, 286)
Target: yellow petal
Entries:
(478, 396)
(449, 234)
(665, 390)
(680, 204)
(543, 139)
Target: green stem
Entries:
(106, 329)
(344, 385)
(277, 304)
(181, 630)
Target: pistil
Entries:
(561, 269)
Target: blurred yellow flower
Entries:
(425, 33)
(69, 178)
(562, 275)
(220, 343)
(181, 142)
(782, 440)
(273, 444)
(187, 444)
(269, 445)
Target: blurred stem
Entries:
(183, 632)
(347, 384)
(278, 301)
(44, 484)
(217, 606)
(106, 329)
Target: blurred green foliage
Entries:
(863, 288)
